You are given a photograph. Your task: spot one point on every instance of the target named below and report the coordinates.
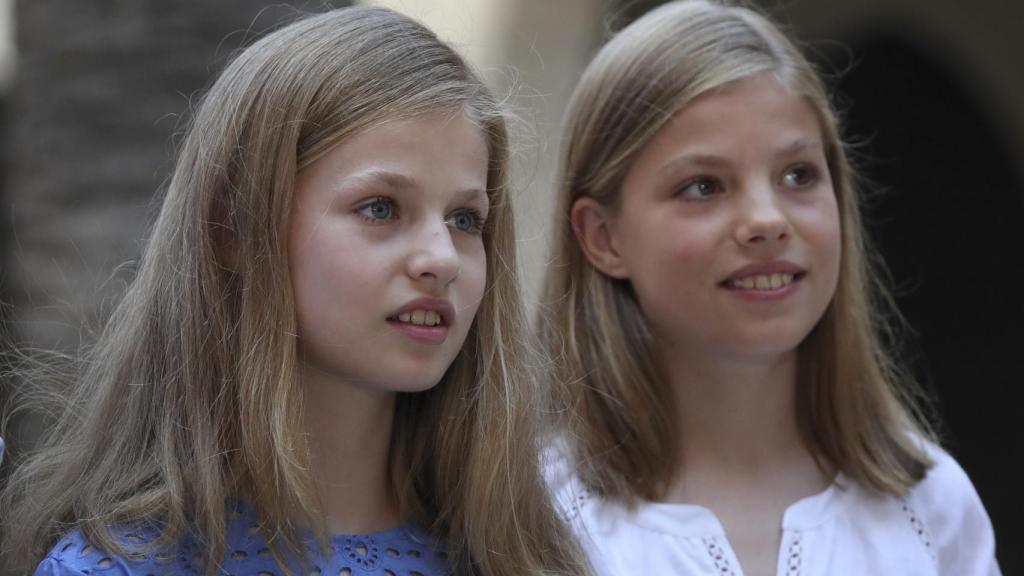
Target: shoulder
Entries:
(74, 555)
(945, 508)
(945, 496)
(566, 490)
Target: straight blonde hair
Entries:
(190, 397)
(856, 409)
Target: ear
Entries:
(592, 225)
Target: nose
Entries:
(434, 259)
(762, 220)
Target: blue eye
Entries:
(800, 176)
(700, 189)
(378, 209)
(466, 221)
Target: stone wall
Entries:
(87, 141)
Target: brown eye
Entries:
(699, 189)
(800, 176)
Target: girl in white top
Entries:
(729, 404)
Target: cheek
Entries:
(473, 275)
(836, 252)
(829, 230)
(670, 275)
(316, 288)
(823, 231)
(670, 257)
(330, 270)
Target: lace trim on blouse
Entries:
(795, 555)
(717, 554)
(918, 526)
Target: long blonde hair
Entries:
(190, 396)
(856, 409)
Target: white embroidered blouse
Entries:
(939, 529)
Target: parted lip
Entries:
(765, 268)
(441, 306)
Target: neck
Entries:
(349, 433)
(737, 418)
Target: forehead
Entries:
(417, 133)
(438, 147)
(752, 112)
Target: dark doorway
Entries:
(949, 221)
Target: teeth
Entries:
(762, 281)
(421, 317)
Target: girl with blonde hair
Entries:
(728, 404)
(320, 366)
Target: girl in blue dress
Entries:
(319, 368)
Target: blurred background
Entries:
(92, 93)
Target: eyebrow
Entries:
(801, 144)
(699, 159)
(693, 160)
(402, 183)
(392, 180)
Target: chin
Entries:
(418, 381)
(415, 386)
(766, 342)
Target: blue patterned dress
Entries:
(403, 551)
